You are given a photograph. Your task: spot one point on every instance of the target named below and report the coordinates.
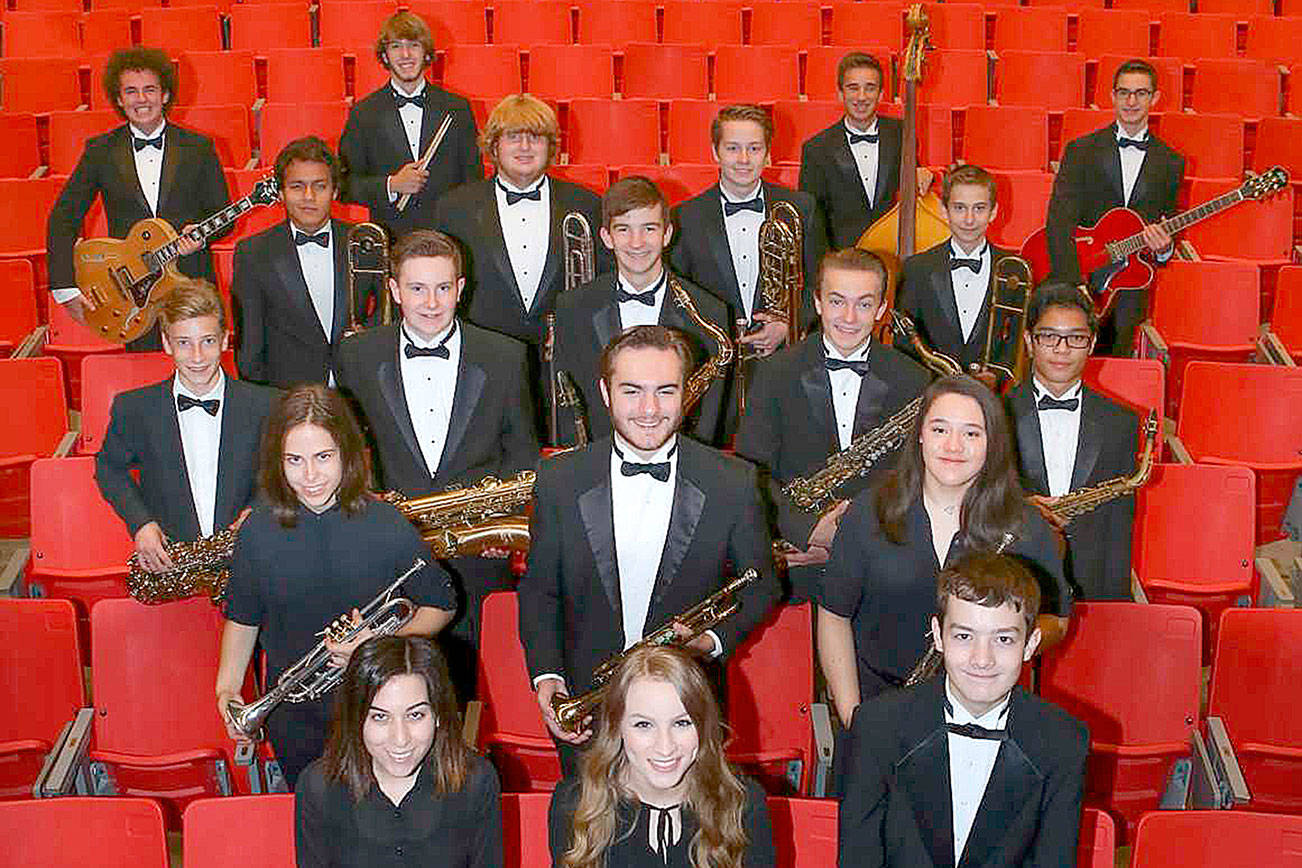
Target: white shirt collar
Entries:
(858, 355)
(958, 253)
(178, 388)
(536, 185)
(1122, 134)
(432, 342)
(420, 88)
(661, 454)
(872, 127)
(1041, 391)
(657, 286)
(296, 230)
(756, 192)
(136, 133)
(955, 712)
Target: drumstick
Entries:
(428, 155)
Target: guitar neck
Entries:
(1174, 224)
(206, 228)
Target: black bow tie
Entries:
(859, 367)
(1048, 402)
(657, 470)
(756, 205)
(441, 351)
(647, 298)
(185, 402)
(869, 138)
(141, 144)
(322, 238)
(956, 262)
(972, 730)
(403, 100)
(1140, 144)
(534, 195)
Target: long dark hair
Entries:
(993, 504)
(371, 666)
(313, 404)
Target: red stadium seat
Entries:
(679, 182)
(856, 24)
(84, 830)
(773, 22)
(955, 78)
(216, 77)
(1153, 6)
(665, 71)
(511, 729)
(103, 377)
(1210, 570)
(23, 218)
(19, 319)
(1030, 28)
(281, 123)
(1113, 31)
(353, 24)
(1216, 839)
(531, 22)
(1212, 145)
(1279, 143)
(22, 154)
(69, 131)
(40, 34)
(1076, 122)
(592, 120)
(305, 75)
(785, 174)
(265, 824)
(701, 22)
(226, 125)
(1170, 80)
(794, 124)
(454, 22)
(49, 646)
(1286, 313)
(1193, 37)
(956, 26)
(133, 6)
(935, 132)
(571, 71)
(196, 28)
(756, 73)
(1295, 101)
(1290, 8)
(1249, 88)
(689, 130)
(1260, 231)
(482, 70)
(47, 6)
(69, 341)
(1238, 8)
(1255, 671)
(524, 830)
(820, 69)
(39, 84)
(603, 23)
(1049, 79)
(105, 30)
(1023, 200)
(1098, 840)
(595, 178)
(1274, 39)
(1140, 717)
(35, 388)
(804, 831)
(987, 142)
(1247, 415)
(262, 26)
(1137, 383)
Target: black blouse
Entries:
(631, 848)
(449, 830)
(888, 591)
(292, 582)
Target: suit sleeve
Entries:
(760, 852)
(214, 192)
(842, 585)
(560, 814)
(1121, 518)
(680, 258)
(519, 440)
(472, 167)
(251, 316)
(113, 464)
(1059, 830)
(65, 221)
(1065, 204)
(816, 244)
(487, 819)
(363, 182)
(749, 546)
(542, 620)
(813, 182)
(861, 836)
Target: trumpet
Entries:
(572, 711)
(314, 675)
(579, 268)
(368, 254)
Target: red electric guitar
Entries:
(1112, 251)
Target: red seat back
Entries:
(735, 67)
(43, 644)
(281, 123)
(69, 131)
(352, 24)
(103, 378)
(773, 22)
(572, 71)
(665, 71)
(451, 23)
(1250, 88)
(1192, 36)
(1105, 31)
(528, 22)
(1023, 198)
(804, 831)
(955, 77)
(1212, 145)
(704, 22)
(265, 824)
(1286, 315)
(85, 830)
(678, 181)
(987, 144)
(591, 120)
(1260, 231)
(39, 34)
(40, 84)
(226, 125)
(18, 315)
(602, 23)
(1026, 27)
(482, 70)
(22, 153)
(261, 26)
(1136, 383)
(28, 203)
(689, 130)
(525, 831)
(794, 121)
(217, 77)
(34, 388)
(196, 27)
(862, 24)
(1098, 840)
(1217, 839)
(305, 75)
(1049, 79)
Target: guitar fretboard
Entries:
(1172, 225)
(206, 228)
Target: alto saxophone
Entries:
(716, 366)
(199, 567)
(464, 521)
(1066, 508)
(572, 711)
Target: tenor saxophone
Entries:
(199, 567)
(465, 521)
(716, 366)
(1066, 508)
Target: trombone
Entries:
(579, 268)
(368, 255)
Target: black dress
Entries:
(292, 582)
(632, 849)
(450, 830)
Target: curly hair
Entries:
(139, 59)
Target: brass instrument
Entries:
(579, 265)
(468, 520)
(567, 394)
(572, 711)
(716, 366)
(1064, 509)
(199, 567)
(368, 254)
(903, 329)
(781, 282)
(1005, 351)
(314, 675)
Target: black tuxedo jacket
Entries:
(570, 612)
(701, 254)
(927, 296)
(280, 341)
(143, 435)
(587, 319)
(789, 429)
(897, 809)
(374, 145)
(829, 173)
(1098, 543)
(1089, 183)
(469, 214)
(490, 432)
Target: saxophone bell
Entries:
(716, 366)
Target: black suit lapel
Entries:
(393, 128)
(597, 511)
(490, 226)
(1029, 445)
(1013, 788)
(872, 400)
(125, 162)
(888, 155)
(343, 316)
(923, 777)
(716, 240)
(605, 319)
(171, 447)
(685, 514)
(227, 472)
(430, 118)
(1111, 162)
(471, 378)
(290, 273)
(942, 289)
(173, 156)
(1089, 440)
(818, 392)
(553, 273)
(388, 377)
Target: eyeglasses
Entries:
(1051, 340)
(1125, 93)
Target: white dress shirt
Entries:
(742, 230)
(201, 436)
(971, 760)
(318, 266)
(635, 313)
(429, 383)
(411, 116)
(1132, 160)
(866, 158)
(845, 389)
(969, 289)
(526, 229)
(1059, 436)
(642, 506)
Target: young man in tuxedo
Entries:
(853, 167)
(635, 529)
(946, 290)
(1121, 165)
(811, 400)
(967, 768)
(446, 404)
(635, 227)
(389, 131)
(1070, 437)
(510, 226)
(290, 285)
(193, 439)
(147, 167)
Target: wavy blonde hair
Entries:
(715, 795)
